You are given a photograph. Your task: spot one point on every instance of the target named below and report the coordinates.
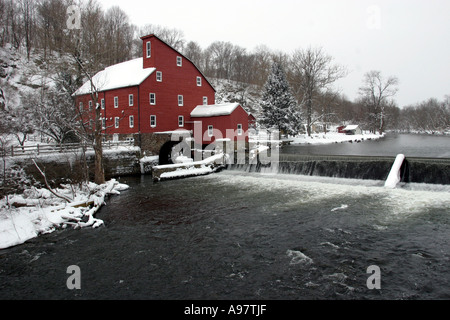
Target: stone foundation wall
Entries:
(68, 167)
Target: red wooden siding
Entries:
(223, 123)
(176, 81)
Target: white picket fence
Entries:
(40, 149)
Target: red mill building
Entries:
(148, 98)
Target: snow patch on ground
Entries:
(38, 211)
(334, 137)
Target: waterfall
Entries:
(427, 170)
(421, 170)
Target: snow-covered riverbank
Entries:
(39, 211)
(334, 137)
(318, 138)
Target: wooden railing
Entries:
(40, 149)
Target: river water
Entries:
(411, 145)
(246, 236)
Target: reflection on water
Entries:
(411, 145)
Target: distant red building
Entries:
(156, 93)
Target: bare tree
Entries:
(173, 37)
(119, 33)
(428, 116)
(93, 42)
(51, 23)
(99, 171)
(376, 92)
(194, 52)
(314, 74)
(27, 9)
(222, 59)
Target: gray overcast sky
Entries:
(409, 39)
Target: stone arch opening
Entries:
(165, 153)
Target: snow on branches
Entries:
(279, 107)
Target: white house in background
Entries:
(352, 129)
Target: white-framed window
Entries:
(116, 122)
(149, 49)
(205, 101)
(130, 100)
(210, 131)
(104, 123)
(116, 102)
(103, 104)
(179, 61)
(159, 76)
(199, 81)
(239, 129)
(131, 121)
(180, 100)
(81, 107)
(181, 121)
(152, 98)
(90, 105)
(153, 121)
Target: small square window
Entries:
(159, 76)
(152, 99)
(179, 61)
(130, 100)
(180, 100)
(180, 121)
(199, 81)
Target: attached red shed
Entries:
(251, 121)
(221, 121)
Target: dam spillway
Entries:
(414, 169)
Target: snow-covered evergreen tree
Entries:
(278, 106)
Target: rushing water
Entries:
(240, 235)
(235, 235)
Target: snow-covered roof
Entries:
(122, 75)
(214, 110)
(351, 127)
